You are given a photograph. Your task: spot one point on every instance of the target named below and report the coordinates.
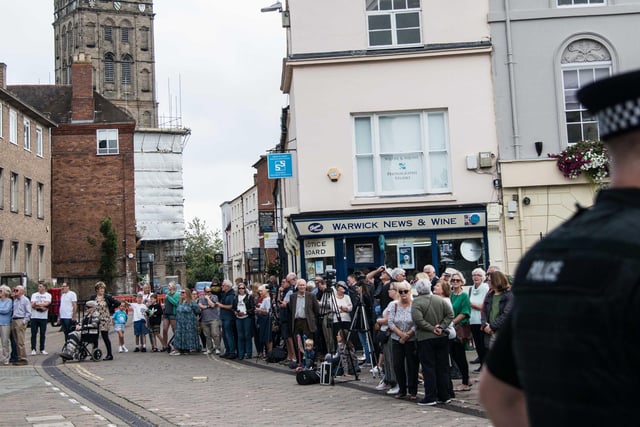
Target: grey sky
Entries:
(227, 56)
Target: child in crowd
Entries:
(120, 318)
(341, 358)
(309, 354)
(140, 330)
(154, 315)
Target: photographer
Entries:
(323, 338)
(382, 280)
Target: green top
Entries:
(495, 307)
(461, 305)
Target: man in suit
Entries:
(304, 310)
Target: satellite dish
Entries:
(471, 250)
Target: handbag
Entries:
(383, 336)
(463, 333)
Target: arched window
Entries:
(109, 68)
(125, 76)
(583, 61)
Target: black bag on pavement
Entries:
(307, 377)
(276, 355)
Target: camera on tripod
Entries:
(329, 276)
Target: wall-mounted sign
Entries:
(319, 248)
(280, 165)
(266, 221)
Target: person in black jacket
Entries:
(244, 308)
(105, 306)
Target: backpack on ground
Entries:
(276, 355)
(307, 377)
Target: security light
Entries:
(274, 7)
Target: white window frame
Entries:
(393, 14)
(26, 126)
(590, 3)
(1, 256)
(1, 120)
(1, 188)
(586, 119)
(41, 264)
(28, 196)
(13, 126)
(40, 200)
(13, 192)
(28, 259)
(426, 151)
(14, 256)
(39, 142)
(112, 145)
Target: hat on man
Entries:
(90, 303)
(616, 103)
(450, 271)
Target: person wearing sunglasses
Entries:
(19, 321)
(403, 343)
(244, 308)
(462, 312)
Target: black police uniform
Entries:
(573, 341)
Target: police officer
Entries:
(570, 353)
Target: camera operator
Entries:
(324, 338)
(382, 280)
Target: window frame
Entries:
(108, 151)
(26, 127)
(109, 68)
(125, 70)
(393, 13)
(108, 33)
(14, 256)
(586, 118)
(28, 196)
(425, 150)
(1, 188)
(39, 142)
(40, 200)
(1, 120)
(13, 126)
(590, 3)
(13, 192)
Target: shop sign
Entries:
(319, 248)
(417, 222)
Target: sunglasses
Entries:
(240, 289)
(406, 291)
(456, 280)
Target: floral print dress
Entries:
(186, 337)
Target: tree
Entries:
(108, 252)
(201, 246)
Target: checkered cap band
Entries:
(619, 118)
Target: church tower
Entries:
(118, 35)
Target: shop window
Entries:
(461, 251)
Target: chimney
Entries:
(82, 103)
(3, 75)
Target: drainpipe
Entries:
(521, 223)
(512, 84)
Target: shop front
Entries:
(362, 241)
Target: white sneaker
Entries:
(383, 386)
(394, 390)
(33, 352)
(125, 349)
(375, 370)
(44, 352)
(120, 350)
(217, 352)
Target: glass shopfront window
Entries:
(462, 251)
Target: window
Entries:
(109, 69)
(571, 3)
(124, 35)
(393, 22)
(40, 200)
(27, 196)
(108, 33)
(107, 141)
(13, 126)
(13, 192)
(1, 120)
(401, 154)
(126, 70)
(14, 256)
(1, 188)
(583, 62)
(28, 261)
(39, 143)
(41, 266)
(27, 135)
(1, 256)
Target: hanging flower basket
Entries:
(585, 157)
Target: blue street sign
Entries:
(280, 165)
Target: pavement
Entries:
(199, 389)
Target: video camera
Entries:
(329, 276)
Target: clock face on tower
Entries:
(117, 5)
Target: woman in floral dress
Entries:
(186, 338)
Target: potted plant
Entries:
(585, 157)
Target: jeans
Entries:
(405, 365)
(228, 337)
(362, 336)
(38, 325)
(434, 358)
(245, 346)
(66, 327)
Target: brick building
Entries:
(92, 179)
(25, 187)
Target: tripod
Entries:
(329, 301)
(361, 315)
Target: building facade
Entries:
(392, 134)
(536, 80)
(93, 179)
(25, 187)
(118, 35)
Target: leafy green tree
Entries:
(108, 252)
(201, 244)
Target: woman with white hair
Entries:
(6, 309)
(476, 299)
(403, 343)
